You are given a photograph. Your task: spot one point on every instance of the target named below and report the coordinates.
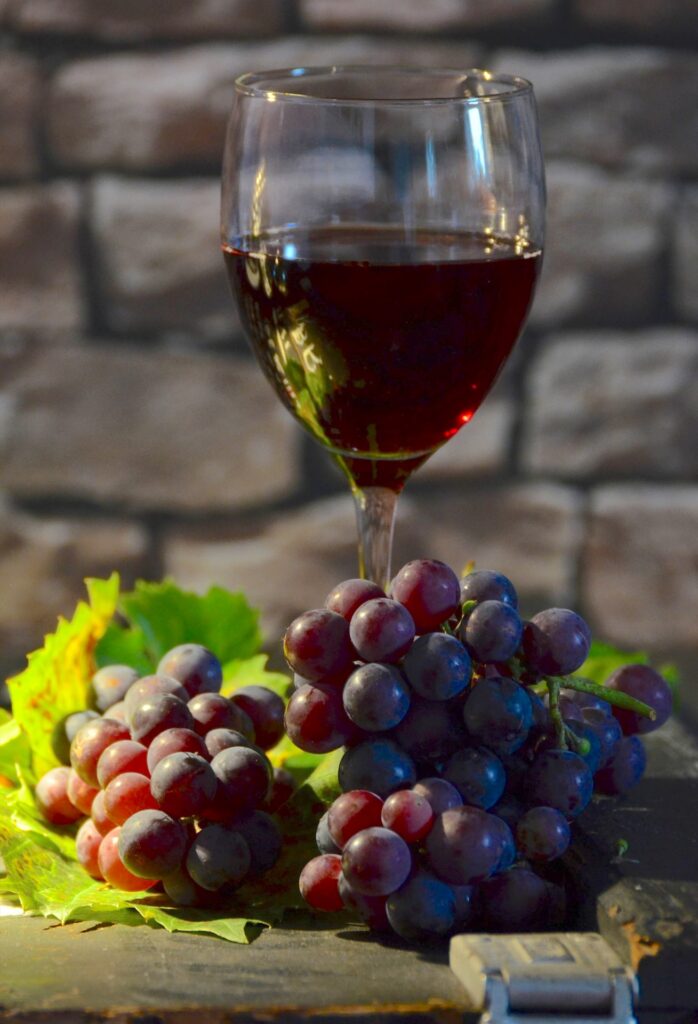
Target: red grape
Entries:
(101, 819)
(195, 667)
(642, 683)
(52, 797)
(317, 645)
(90, 741)
(152, 844)
(126, 794)
(352, 812)
(430, 591)
(266, 710)
(319, 882)
(114, 870)
(80, 794)
(175, 741)
(111, 684)
(214, 711)
(350, 595)
(316, 720)
(87, 844)
(122, 756)
(408, 814)
(155, 714)
(382, 630)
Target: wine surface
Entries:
(381, 347)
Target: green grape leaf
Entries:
(56, 680)
(165, 616)
(253, 672)
(124, 645)
(15, 749)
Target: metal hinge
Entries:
(570, 977)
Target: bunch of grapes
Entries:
(172, 778)
(469, 748)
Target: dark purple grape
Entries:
(588, 701)
(607, 730)
(642, 683)
(516, 900)
(220, 739)
(463, 846)
(423, 909)
(556, 642)
(376, 697)
(376, 861)
(379, 766)
(442, 795)
(624, 770)
(478, 775)
(111, 683)
(264, 839)
(324, 841)
(350, 595)
(431, 730)
(507, 850)
(371, 909)
(283, 786)
(152, 844)
(381, 630)
(509, 809)
(266, 712)
(437, 666)
(183, 784)
(184, 892)
(151, 686)
(244, 778)
(156, 714)
(516, 766)
(498, 714)
(430, 591)
(195, 667)
(216, 857)
(542, 834)
(559, 779)
(175, 741)
(486, 585)
(90, 742)
(465, 906)
(316, 720)
(492, 631)
(214, 711)
(317, 645)
(570, 710)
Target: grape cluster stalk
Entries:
(470, 748)
(171, 779)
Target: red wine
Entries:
(381, 347)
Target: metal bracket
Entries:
(570, 977)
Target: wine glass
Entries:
(382, 229)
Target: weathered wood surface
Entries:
(645, 903)
(87, 973)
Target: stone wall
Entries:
(135, 430)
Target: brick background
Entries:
(137, 433)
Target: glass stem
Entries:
(375, 519)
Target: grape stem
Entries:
(555, 714)
(615, 697)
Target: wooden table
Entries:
(645, 903)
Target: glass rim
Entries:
(260, 84)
